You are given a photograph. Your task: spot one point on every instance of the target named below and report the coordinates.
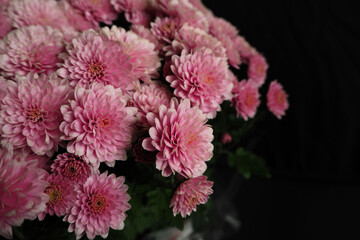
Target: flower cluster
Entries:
(75, 96)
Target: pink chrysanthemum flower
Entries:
(37, 12)
(219, 26)
(22, 188)
(90, 58)
(96, 10)
(257, 69)
(231, 53)
(149, 98)
(30, 114)
(32, 49)
(277, 99)
(75, 17)
(98, 124)
(72, 168)
(5, 23)
(203, 78)
(165, 28)
(190, 38)
(144, 57)
(61, 194)
(244, 48)
(182, 139)
(101, 204)
(189, 194)
(246, 99)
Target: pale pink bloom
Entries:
(37, 12)
(61, 194)
(165, 28)
(32, 49)
(129, 5)
(147, 34)
(201, 77)
(182, 139)
(144, 57)
(246, 99)
(232, 55)
(101, 204)
(22, 188)
(244, 48)
(98, 124)
(30, 114)
(277, 101)
(96, 10)
(189, 194)
(226, 138)
(90, 58)
(5, 23)
(148, 98)
(72, 168)
(257, 69)
(190, 39)
(75, 17)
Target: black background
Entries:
(313, 50)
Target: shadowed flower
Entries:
(98, 124)
(22, 188)
(246, 99)
(30, 113)
(32, 49)
(189, 194)
(101, 204)
(277, 99)
(182, 139)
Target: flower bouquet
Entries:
(112, 114)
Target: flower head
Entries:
(98, 124)
(257, 69)
(30, 113)
(71, 168)
(61, 194)
(22, 188)
(101, 204)
(246, 98)
(165, 28)
(189, 194)
(203, 78)
(75, 17)
(182, 139)
(32, 49)
(277, 99)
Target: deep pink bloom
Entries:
(32, 49)
(277, 99)
(226, 138)
(90, 58)
(75, 17)
(30, 114)
(190, 39)
(101, 204)
(5, 23)
(165, 28)
(98, 124)
(37, 12)
(144, 57)
(189, 194)
(96, 10)
(71, 168)
(61, 194)
(246, 99)
(149, 98)
(22, 188)
(182, 139)
(257, 69)
(203, 78)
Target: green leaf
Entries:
(248, 164)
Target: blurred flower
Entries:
(165, 28)
(226, 138)
(246, 99)
(101, 204)
(189, 194)
(75, 17)
(257, 69)
(22, 188)
(30, 113)
(32, 49)
(182, 139)
(98, 124)
(277, 99)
